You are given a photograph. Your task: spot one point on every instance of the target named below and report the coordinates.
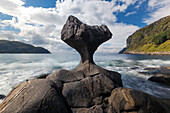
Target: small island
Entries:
(20, 47)
(153, 39)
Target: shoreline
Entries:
(148, 53)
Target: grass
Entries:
(164, 47)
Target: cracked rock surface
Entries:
(35, 96)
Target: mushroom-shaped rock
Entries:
(35, 96)
(84, 38)
(88, 84)
(130, 100)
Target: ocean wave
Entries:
(155, 62)
(15, 69)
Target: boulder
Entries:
(82, 93)
(160, 78)
(93, 109)
(35, 96)
(160, 74)
(130, 100)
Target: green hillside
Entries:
(151, 38)
(19, 47)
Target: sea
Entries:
(16, 68)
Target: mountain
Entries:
(123, 50)
(151, 39)
(19, 47)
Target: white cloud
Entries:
(158, 9)
(42, 26)
(121, 32)
(152, 3)
(139, 4)
(8, 35)
(10, 7)
(130, 13)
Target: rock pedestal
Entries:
(84, 38)
(88, 84)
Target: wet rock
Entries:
(150, 69)
(161, 78)
(134, 68)
(35, 96)
(2, 96)
(130, 100)
(160, 74)
(156, 71)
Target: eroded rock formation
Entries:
(88, 84)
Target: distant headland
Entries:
(153, 39)
(7, 46)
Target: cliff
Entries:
(19, 47)
(151, 39)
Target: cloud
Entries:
(8, 35)
(158, 9)
(152, 3)
(130, 13)
(123, 5)
(139, 4)
(120, 33)
(10, 7)
(42, 26)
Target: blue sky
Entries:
(39, 22)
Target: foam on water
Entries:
(131, 77)
(15, 69)
(155, 62)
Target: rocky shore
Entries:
(147, 53)
(159, 74)
(86, 89)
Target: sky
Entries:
(39, 22)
